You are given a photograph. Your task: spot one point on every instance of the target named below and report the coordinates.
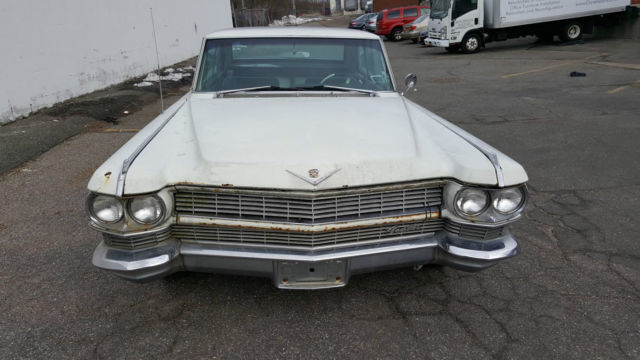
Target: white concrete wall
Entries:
(53, 50)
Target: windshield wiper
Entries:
(339, 88)
(221, 93)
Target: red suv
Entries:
(390, 21)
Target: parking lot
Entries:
(573, 293)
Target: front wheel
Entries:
(471, 43)
(571, 31)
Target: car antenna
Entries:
(155, 40)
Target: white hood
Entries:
(259, 142)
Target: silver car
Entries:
(412, 30)
(370, 26)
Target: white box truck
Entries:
(468, 25)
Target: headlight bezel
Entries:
(94, 217)
(128, 223)
(459, 194)
(131, 215)
(490, 216)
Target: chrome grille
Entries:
(473, 232)
(236, 236)
(284, 239)
(135, 242)
(309, 208)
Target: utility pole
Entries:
(293, 3)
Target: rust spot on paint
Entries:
(227, 185)
(107, 174)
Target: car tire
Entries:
(471, 43)
(415, 41)
(452, 49)
(396, 34)
(362, 28)
(572, 31)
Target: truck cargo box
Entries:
(506, 13)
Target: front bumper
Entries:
(305, 269)
(437, 42)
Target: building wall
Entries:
(379, 5)
(53, 50)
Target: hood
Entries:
(279, 142)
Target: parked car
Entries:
(360, 22)
(391, 21)
(424, 34)
(412, 30)
(295, 156)
(371, 23)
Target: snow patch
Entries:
(293, 20)
(170, 74)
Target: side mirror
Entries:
(410, 82)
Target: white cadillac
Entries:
(295, 157)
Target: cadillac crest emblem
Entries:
(313, 173)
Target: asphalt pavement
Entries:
(573, 293)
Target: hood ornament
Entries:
(313, 177)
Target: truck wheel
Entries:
(471, 44)
(415, 41)
(571, 31)
(396, 34)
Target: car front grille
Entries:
(323, 207)
(287, 239)
(435, 35)
(292, 239)
(309, 208)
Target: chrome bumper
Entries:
(437, 42)
(295, 269)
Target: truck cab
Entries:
(456, 24)
(468, 24)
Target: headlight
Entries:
(146, 209)
(507, 201)
(106, 209)
(472, 202)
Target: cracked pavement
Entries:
(573, 293)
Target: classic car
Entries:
(295, 157)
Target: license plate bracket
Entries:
(311, 275)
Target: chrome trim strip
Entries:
(307, 249)
(303, 228)
(192, 249)
(364, 189)
(493, 157)
(509, 248)
(126, 164)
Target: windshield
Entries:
(440, 8)
(293, 64)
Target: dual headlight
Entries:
(145, 210)
(491, 205)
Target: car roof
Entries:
(291, 31)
